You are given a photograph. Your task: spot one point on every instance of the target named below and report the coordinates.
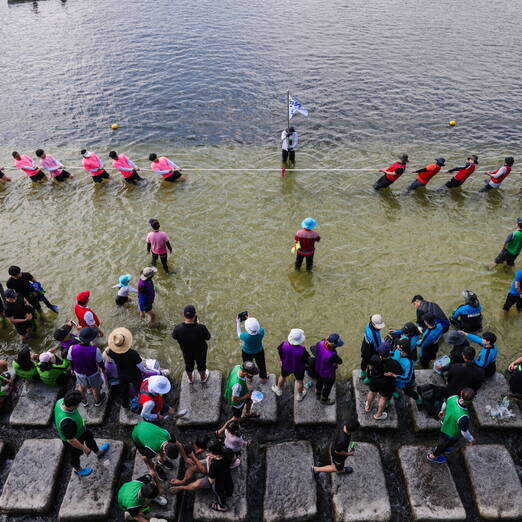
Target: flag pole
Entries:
(288, 109)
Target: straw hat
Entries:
(120, 340)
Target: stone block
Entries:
(203, 401)
(366, 420)
(35, 405)
(290, 490)
(268, 406)
(430, 486)
(491, 393)
(311, 411)
(30, 485)
(361, 496)
(421, 421)
(94, 415)
(90, 498)
(129, 418)
(167, 512)
(237, 504)
(495, 482)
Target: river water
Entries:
(204, 82)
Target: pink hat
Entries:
(46, 357)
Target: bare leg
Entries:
(83, 391)
(330, 468)
(381, 406)
(193, 486)
(300, 386)
(281, 381)
(151, 315)
(189, 473)
(96, 394)
(369, 400)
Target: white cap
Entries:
(296, 336)
(87, 154)
(378, 321)
(252, 326)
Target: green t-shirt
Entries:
(60, 414)
(129, 495)
(234, 379)
(514, 246)
(452, 414)
(150, 436)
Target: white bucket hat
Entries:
(296, 336)
(252, 326)
(378, 321)
(159, 384)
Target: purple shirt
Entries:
(84, 359)
(323, 365)
(293, 357)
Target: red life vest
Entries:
(431, 170)
(500, 179)
(80, 312)
(146, 396)
(391, 171)
(464, 174)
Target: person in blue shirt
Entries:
(429, 341)
(515, 294)
(409, 332)
(488, 353)
(468, 317)
(406, 380)
(252, 343)
(370, 343)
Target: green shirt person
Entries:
(76, 438)
(152, 442)
(135, 496)
(454, 417)
(52, 373)
(511, 247)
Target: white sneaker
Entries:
(301, 395)
(277, 390)
(162, 501)
(128, 516)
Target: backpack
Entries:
(432, 398)
(135, 405)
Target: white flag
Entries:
(294, 105)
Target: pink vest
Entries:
(26, 164)
(123, 161)
(92, 162)
(162, 164)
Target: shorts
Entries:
(174, 176)
(337, 460)
(133, 178)
(237, 411)
(382, 182)
(299, 376)
(98, 177)
(141, 449)
(146, 308)
(38, 176)
(121, 299)
(511, 300)
(507, 257)
(92, 381)
(22, 328)
(384, 387)
(453, 183)
(1, 174)
(62, 176)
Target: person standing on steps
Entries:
(425, 174)
(339, 451)
(76, 438)
(305, 239)
(252, 339)
(93, 165)
(289, 140)
(455, 424)
(326, 362)
(428, 344)
(496, 177)
(192, 337)
(392, 173)
(463, 173)
(370, 343)
(511, 247)
(294, 359)
(157, 244)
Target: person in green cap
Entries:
(71, 429)
(153, 442)
(454, 416)
(135, 496)
(237, 393)
(511, 248)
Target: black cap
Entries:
(404, 158)
(474, 157)
(61, 333)
(509, 160)
(153, 156)
(410, 328)
(519, 221)
(417, 297)
(291, 129)
(10, 294)
(335, 339)
(441, 161)
(250, 368)
(189, 311)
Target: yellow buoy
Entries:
(115, 126)
(452, 123)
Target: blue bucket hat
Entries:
(309, 223)
(125, 279)
(335, 339)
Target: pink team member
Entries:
(54, 166)
(27, 165)
(94, 166)
(158, 242)
(168, 169)
(127, 167)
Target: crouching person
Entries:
(134, 498)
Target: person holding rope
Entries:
(28, 167)
(128, 169)
(168, 169)
(53, 166)
(496, 177)
(392, 173)
(462, 173)
(93, 165)
(425, 174)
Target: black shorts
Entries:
(382, 182)
(133, 178)
(22, 328)
(506, 257)
(511, 300)
(174, 176)
(121, 300)
(1, 174)
(237, 411)
(383, 386)
(98, 178)
(453, 183)
(337, 460)
(299, 376)
(142, 450)
(38, 176)
(62, 176)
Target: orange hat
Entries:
(83, 297)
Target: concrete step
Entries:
(366, 420)
(30, 485)
(94, 415)
(129, 418)
(35, 405)
(495, 483)
(491, 393)
(290, 491)
(431, 490)
(237, 504)
(268, 406)
(311, 411)
(167, 512)
(421, 421)
(361, 496)
(203, 401)
(90, 498)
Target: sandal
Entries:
(216, 507)
(382, 417)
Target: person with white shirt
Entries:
(53, 166)
(496, 177)
(289, 139)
